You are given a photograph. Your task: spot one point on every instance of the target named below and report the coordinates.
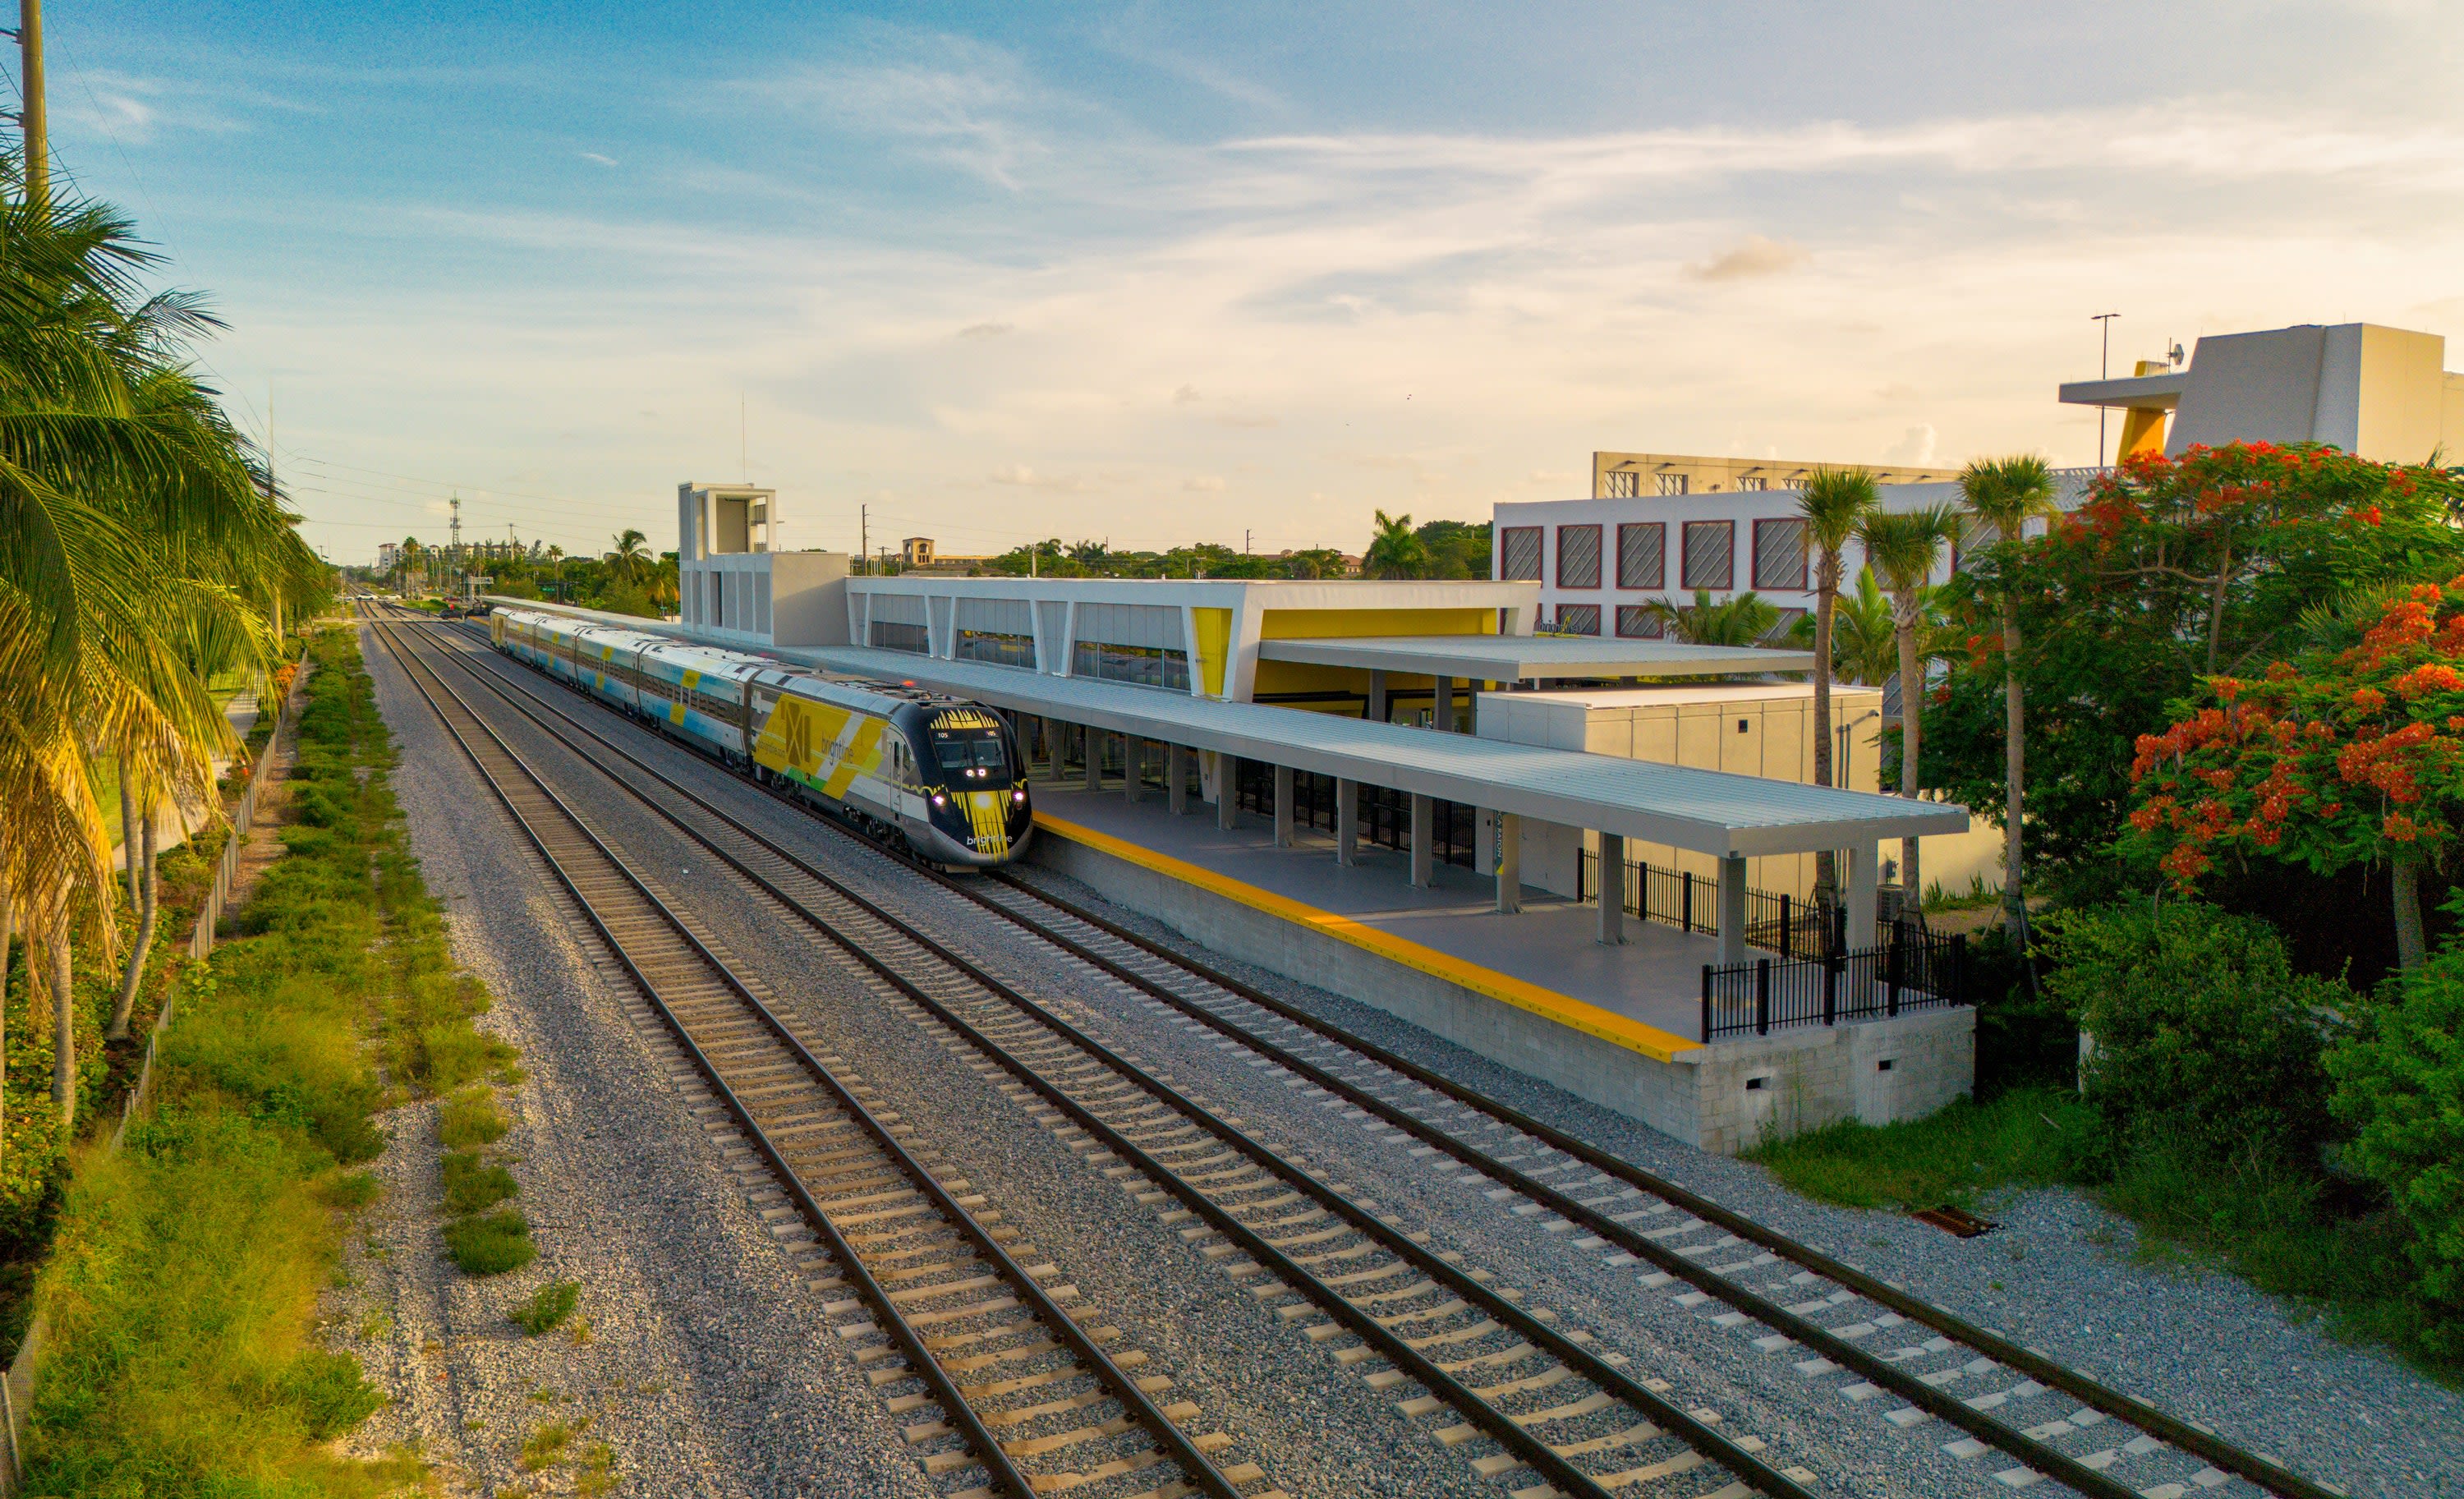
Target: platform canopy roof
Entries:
(1708, 811)
(1517, 659)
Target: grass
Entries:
(469, 1121)
(545, 1446)
(494, 1243)
(2026, 1137)
(597, 1474)
(181, 1295)
(2326, 1250)
(547, 1309)
(474, 1184)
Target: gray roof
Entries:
(1512, 658)
(1709, 811)
(1706, 810)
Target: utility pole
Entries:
(864, 538)
(2104, 370)
(37, 131)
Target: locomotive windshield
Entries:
(974, 754)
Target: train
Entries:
(939, 774)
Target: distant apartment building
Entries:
(1668, 476)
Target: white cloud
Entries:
(1749, 257)
(1203, 484)
(1915, 448)
(596, 158)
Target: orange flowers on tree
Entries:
(2342, 760)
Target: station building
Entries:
(1389, 822)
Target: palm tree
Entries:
(1864, 636)
(632, 557)
(1833, 502)
(140, 550)
(556, 560)
(1396, 550)
(1745, 620)
(1901, 546)
(2007, 494)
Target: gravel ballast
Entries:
(708, 1369)
(2060, 1274)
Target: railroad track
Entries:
(1878, 1346)
(940, 1309)
(1519, 1400)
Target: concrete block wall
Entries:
(1723, 1097)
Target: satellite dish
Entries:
(2174, 355)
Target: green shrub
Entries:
(2400, 1085)
(473, 1184)
(2205, 1037)
(494, 1245)
(469, 1119)
(548, 1307)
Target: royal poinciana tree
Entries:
(2172, 570)
(2336, 762)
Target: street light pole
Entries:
(2104, 371)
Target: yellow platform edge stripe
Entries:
(1660, 1045)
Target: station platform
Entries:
(1534, 990)
(1546, 959)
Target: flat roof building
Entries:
(1645, 475)
(2377, 392)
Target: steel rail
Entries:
(2264, 1471)
(1194, 1464)
(2258, 1469)
(1706, 1440)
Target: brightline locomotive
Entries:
(939, 773)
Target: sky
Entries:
(1232, 273)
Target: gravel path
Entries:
(707, 1370)
(2061, 1274)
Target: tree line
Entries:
(145, 550)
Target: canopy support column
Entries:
(1346, 822)
(1510, 864)
(1861, 888)
(1612, 888)
(1424, 838)
(1283, 807)
(1228, 795)
(1444, 721)
(1176, 779)
(1732, 909)
(1094, 760)
(1376, 695)
(1134, 767)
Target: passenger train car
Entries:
(942, 774)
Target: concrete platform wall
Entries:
(1723, 1097)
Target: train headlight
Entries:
(1019, 795)
(939, 799)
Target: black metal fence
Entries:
(1910, 969)
(1792, 926)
